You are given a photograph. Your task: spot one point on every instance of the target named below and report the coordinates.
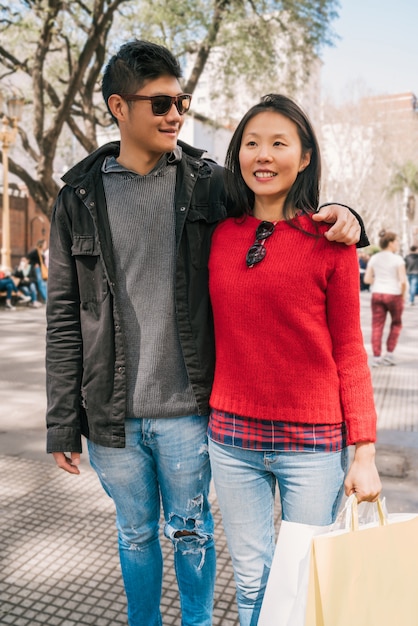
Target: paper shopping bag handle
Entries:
(354, 514)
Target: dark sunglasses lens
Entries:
(183, 104)
(161, 105)
(255, 254)
(264, 230)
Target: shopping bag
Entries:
(284, 602)
(366, 574)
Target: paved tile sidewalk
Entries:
(58, 553)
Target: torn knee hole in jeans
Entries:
(190, 525)
(179, 526)
(188, 539)
(183, 533)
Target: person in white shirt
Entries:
(387, 276)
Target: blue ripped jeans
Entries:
(167, 459)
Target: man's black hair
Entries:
(136, 63)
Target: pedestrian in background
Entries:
(130, 351)
(363, 259)
(411, 265)
(36, 258)
(386, 274)
(292, 386)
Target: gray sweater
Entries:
(142, 223)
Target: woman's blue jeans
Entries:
(164, 460)
(311, 487)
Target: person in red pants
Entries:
(387, 276)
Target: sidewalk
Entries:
(59, 563)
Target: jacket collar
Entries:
(76, 174)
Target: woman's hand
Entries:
(363, 477)
(345, 229)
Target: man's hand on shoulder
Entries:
(68, 463)
(346, 228)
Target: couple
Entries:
(130, 338)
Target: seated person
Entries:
(7, 284)
(25, 272)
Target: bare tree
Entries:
(362, 146)
(56, 49)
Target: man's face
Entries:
(153, 135)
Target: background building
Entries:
(28, 224)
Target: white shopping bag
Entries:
(285, 597)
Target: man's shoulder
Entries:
(199, 155)
(90, 163)
(209, 174)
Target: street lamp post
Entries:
(8, 135)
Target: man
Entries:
(411, 262)
(130, 342)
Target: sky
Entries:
(377, 52)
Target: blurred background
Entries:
(350, 64)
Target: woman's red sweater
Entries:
(289, 344)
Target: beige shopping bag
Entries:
(366, 575)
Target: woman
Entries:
(292, 386)
(387, 276)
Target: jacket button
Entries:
(182, 208)
(121, 369)
(82, 192)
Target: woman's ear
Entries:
(305, 160)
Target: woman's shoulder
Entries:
(307, 225)
(235, 224)
(306, 222)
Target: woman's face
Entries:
(271, 155)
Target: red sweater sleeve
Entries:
(343, 314)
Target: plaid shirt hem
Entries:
(270, 435)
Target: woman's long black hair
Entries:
(304, 194)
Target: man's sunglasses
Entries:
(162, 104)
(257, 252)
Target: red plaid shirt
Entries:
(268, 435)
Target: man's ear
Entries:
(118, 106)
